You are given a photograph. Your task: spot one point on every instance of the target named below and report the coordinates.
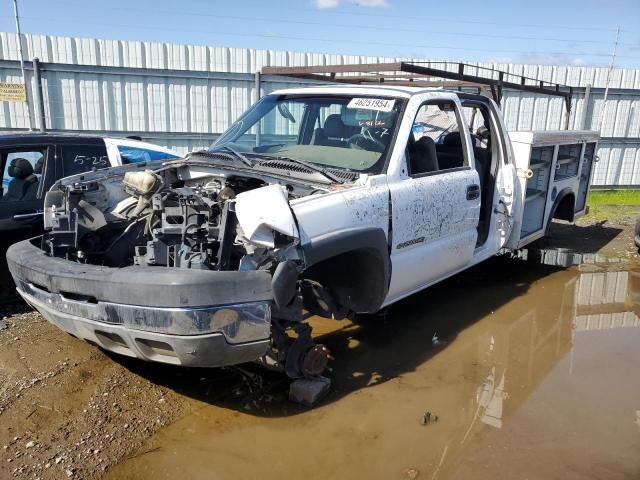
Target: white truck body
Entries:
(334, 200)
(422, 251)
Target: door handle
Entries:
(473, 192)
(27, 216)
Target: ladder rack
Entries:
(424, 74)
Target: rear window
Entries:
(139, 154)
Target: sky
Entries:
(560, 32)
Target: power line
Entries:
(606, 90)
(441, 19)
(335, 41)
(371, 27)
(389, 29)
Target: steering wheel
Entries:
(366, 142)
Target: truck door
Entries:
(435, 198)
(494, 163)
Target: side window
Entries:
(478, 120)
(22, 173)
(138, 154)
(435, 142)
(83, 158)
(474, 116)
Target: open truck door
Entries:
(507, 187)
(493, 160)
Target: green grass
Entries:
(614, 197)
(625, 214)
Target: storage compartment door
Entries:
(585, 176)
(537, 187)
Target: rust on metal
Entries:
(315, 361)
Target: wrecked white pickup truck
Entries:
(322, 200)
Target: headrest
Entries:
(334, 126)
(426, 143)
(452, 139)
(37, 169)
(483, 132)
(20, 168)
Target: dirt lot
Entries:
(514, 381)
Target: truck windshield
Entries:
(333, 131)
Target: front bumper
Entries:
(234, 330)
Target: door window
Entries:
(436, 142)
(22, 173)
(83, 158)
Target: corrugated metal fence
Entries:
(183, 96)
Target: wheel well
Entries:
(356, 279)
(565, 207)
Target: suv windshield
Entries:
(332, 131)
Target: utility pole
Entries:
(24, 77)
(606, 90)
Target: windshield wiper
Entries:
(224, 155)
(242, 157)
(310, 166)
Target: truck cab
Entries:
(441, 194)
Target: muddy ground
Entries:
(509, 370)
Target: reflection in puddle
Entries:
(535, 377)
(606, 300)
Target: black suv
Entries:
(30, 163)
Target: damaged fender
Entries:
(263, 211)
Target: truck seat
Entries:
(450, 153)
(334, 133)
(422, 155)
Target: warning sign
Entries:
(13, 92)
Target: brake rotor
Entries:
(315, 361)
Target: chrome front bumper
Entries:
(210, 337)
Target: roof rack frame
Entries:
(417, 74)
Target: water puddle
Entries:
(531, 371)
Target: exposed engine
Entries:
(157, 219)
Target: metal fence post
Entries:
(38, 93)
(585, 107)
(567, 113)
(258, 87)
(24, 75)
